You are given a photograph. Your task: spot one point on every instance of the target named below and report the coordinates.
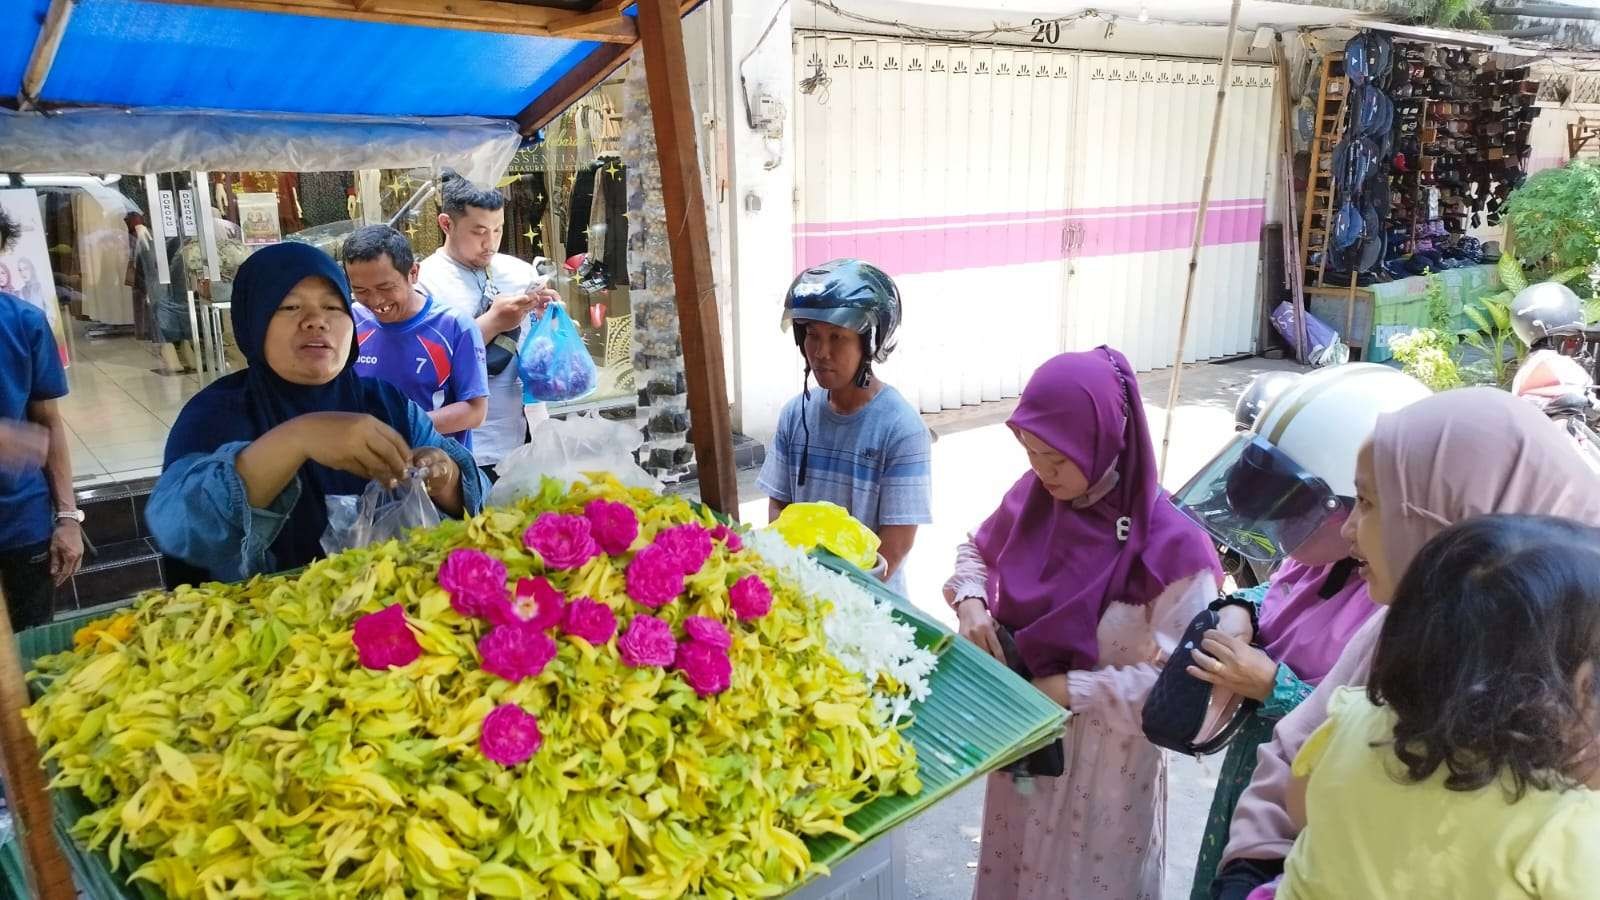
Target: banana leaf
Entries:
(979, 717)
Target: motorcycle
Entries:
(1558, 384)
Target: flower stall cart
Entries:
(595, 692)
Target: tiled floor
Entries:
(118, 410)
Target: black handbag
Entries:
(1184, 713)
(499, 353)
(1046, 762)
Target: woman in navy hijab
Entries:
(253, 458)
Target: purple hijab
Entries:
(1054, 567)
(1305, 630)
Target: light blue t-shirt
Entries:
(875, 462)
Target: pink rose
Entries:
(750, 598)
(614, 525)
(707, 631)
(475, 581)
(704, 666)
(515, 652)
(728, 537)
(537, 604)
(382, 639)
(689, 544)
(510, 736)
(647, 642)
(563, 542)
(655, 577)
(594, 622)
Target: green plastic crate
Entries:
(979, 717)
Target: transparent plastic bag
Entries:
(1326, 349)
(380, 513)
(568, 450)
(553, 361)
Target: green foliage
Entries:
(1491, 334)
(1425, 354)
(1450, 13)
(1555, 216)
(1438, 304)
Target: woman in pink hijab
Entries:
(1440, 461)
(1094, 573)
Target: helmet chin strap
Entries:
(805, 426)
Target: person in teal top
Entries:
(253, 458)
(1288, 483)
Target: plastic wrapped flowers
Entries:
(596, 693)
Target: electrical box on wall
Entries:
(767, 117)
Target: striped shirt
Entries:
(875, 462)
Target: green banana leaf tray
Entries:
(979, 717)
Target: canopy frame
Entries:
(659, 29)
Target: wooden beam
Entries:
(595, 68)
(44, 52)
(667, 80)
(464, 15)
(606, 18)
(46, 869)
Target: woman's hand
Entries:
(977, 626)
(1233, 665)
(442, 477)
(356, 443)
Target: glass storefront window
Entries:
(140, 297)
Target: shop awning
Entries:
(325, 84)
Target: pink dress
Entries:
(1099, 830)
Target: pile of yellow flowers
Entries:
(232, 738)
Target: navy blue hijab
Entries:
(245, 405)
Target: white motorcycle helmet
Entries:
(1270, 489)
(1540, 310)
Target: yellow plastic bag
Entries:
(808, 526)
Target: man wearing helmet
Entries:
(854, 441)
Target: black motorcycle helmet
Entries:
(851, 294)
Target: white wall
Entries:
(760, 258)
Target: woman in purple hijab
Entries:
(1095, 574)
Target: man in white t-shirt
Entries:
(471, 274)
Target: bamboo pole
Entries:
(1199, 231)
(48, 874)
(666, 71)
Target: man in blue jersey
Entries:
(41, 533)
(428, 350)
(854, 441)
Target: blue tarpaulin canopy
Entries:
(309, 83)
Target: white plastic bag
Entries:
(379, 514)
(567, 450)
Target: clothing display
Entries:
(102, 248)
(598, 224)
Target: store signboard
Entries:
(186, 204)
(258, 217)
(169, 215)
(25, 267)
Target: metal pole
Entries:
(1199, 230)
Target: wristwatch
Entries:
(75, 515)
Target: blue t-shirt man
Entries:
(876, 462)
(435, 357)
(32, 373)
